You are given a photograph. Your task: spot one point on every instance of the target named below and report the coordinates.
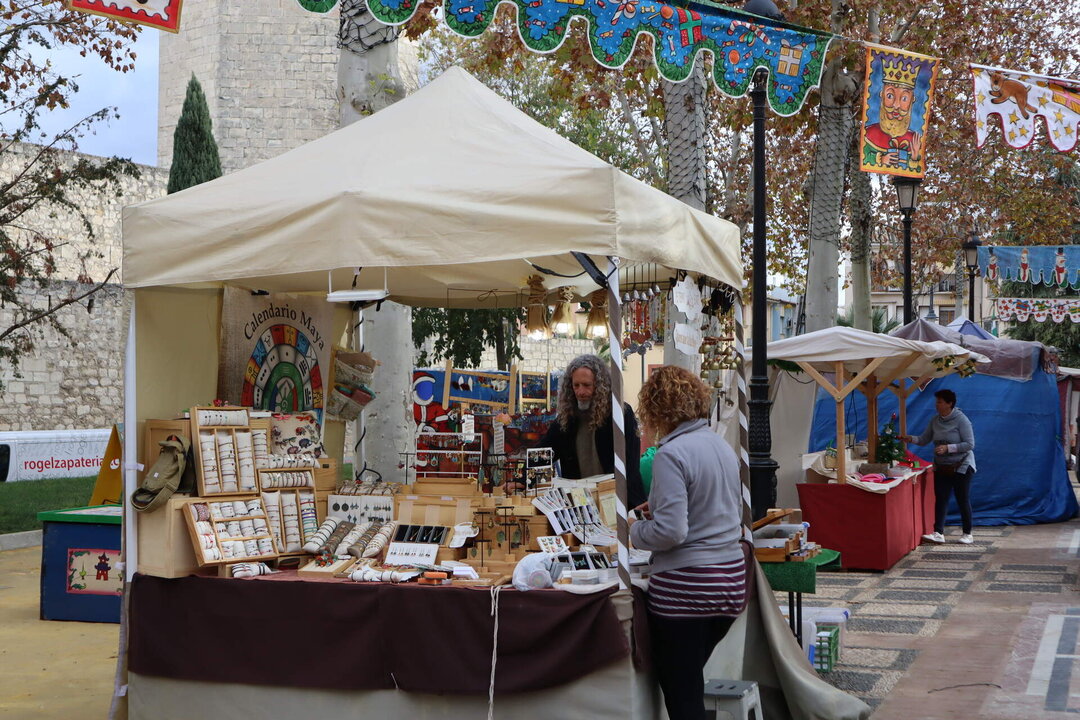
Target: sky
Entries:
(134, 94)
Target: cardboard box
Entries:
(431, 510)
(812, 476)
(164, 544)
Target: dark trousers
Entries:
(680, 649)
(946, 482)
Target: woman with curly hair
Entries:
(581, 434)
(693, 525)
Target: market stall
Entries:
(873, 512)
(488, 201)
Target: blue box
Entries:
(80, 549)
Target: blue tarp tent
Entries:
(1021, 477)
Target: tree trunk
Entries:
(826, 192)
(684, 128)
(862, 221)
(500, 347)
(861, 232)
(369, 80)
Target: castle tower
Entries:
(269, 71)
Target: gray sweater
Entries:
(696, 501)
(953, 430)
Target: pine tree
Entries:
(195, 153)
(889, 448)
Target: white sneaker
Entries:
(934, 538)
(966, 539)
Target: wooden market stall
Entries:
(464, 219)
(872, 526)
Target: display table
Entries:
(275, 642)
(796, 578)
(80, 548)
(871, 531)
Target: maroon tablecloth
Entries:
(353, 636)
(872, 531)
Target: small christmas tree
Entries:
(889, 447)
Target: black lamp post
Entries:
(971, 259)
(762, 466)
(907, 195)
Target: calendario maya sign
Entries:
(275, 351)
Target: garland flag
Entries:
(162, 14)
(1048, 264)
(739, 42)
(1017, 98)
(897, 95)
(1038, 309)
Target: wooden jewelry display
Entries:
(225, 451)
(292, 517)
(230, 531)
(290, 478)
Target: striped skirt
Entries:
(703, 591)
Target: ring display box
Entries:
(229, 531)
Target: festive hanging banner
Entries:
(1017, 98)
(1039, 264)
(898, 91)
(162, 14)
(1038, 309)
(738, 41)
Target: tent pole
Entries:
(131, 455)
(744, 414)
(902, 397)
(871, 393)
(617, 430)
(841, 440)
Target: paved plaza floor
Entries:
(988, 631)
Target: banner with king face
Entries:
(897, 94)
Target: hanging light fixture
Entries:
(597, 324)
(562, 320)
(536, 317)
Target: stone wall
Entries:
(544, 355)
(103, 211)
(269, 71)
(69, 382)
(76, 383)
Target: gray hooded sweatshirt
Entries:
(953, 430)
(696, 501)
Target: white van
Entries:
(34, 455)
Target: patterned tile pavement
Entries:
(911, 600)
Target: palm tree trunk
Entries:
(369, 80)
(684, 130)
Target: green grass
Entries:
(20, 502)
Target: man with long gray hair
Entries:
(581, 434)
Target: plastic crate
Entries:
(826, 648)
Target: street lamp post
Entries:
(932, 315)
(971, 259)
(907, 194)
(762, 466)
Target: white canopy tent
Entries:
(451, 191)
(870, 362)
